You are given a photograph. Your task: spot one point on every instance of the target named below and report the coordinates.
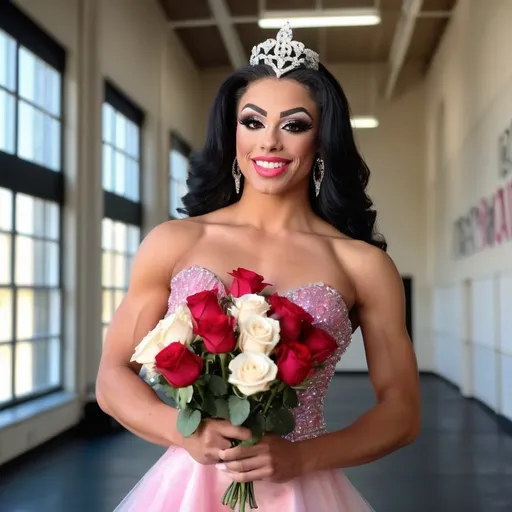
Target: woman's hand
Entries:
(273, 459)
(211, 437)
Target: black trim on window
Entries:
(32, 36)
(31, 179)
(121, 102)
(121, 209)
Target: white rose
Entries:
(249, 305)
(252, 372)
(259, 334)
(176, 327)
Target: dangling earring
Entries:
(237, 175)
(318, 176)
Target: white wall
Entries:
(469, 106)
(127, 41)
(395, 185)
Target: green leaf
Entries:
(188, 421)
(217, 385)
(238, 393)
(222, 409)
(208, 404)
(170, 392)
(255, 422)
(238, 410)
(280, 421)
(290, 399)
(184, 396)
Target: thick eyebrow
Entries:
(256, 108)
(294, 111)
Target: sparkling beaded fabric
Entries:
(322, 302)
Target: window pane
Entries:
(120, 272)
(120, 174)
(52, 143)
(51, 253)
(34, 362)
(5, 373)
(37, 217)
(107, 269)
(108, 303)
(5, 209)
(120, 237)
(37, 262)
(108, 168)
(30, 133)
(39, 83)
(38, 313)
(7, 61)
(133, 139)
(5, 315)
(132, 179)
(118, 297)
(133, 239)
(121, 141)
(5, 258)
(107, 234)
(7, 130)
(38, 137)
(108, 123)
(54, 85)
(54, 362)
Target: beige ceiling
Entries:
(335, 45)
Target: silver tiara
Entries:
(282, 54)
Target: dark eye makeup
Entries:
(292, 126)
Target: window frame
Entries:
(117, 208)
(25, 177)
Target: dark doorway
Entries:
(408, 303)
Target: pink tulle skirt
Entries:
(177, 483)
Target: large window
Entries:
(121, 225)
(31, 196)
(178, 172)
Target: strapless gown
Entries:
(177, 483)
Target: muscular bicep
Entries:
(143, 306)
(381, 313)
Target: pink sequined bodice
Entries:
(323, 303)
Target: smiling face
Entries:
(276, 135)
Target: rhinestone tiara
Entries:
(283, 54)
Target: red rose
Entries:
(290, 316)
(178, 365)
(246, 281)
(294, 363)
(217, 334)
(320, 344)
(204, 305)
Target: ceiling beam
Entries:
(228, 33)
(401, 41)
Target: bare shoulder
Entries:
(162, 247)
(371, 270)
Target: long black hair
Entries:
(342, 201)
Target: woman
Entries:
(279, 188)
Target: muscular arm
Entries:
(120, 392)
(394, 421)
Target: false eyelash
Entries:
(300, 126)
(246, 121)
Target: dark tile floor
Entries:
(461, 462)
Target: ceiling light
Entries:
(320, 18)
(364, 122)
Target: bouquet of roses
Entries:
(239, 356)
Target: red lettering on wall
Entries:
(483, 222)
